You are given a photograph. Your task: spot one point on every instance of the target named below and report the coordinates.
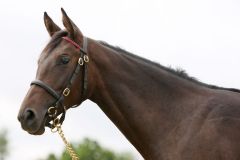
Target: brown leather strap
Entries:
(60, 98)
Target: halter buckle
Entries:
(80, 61)
(66, 92)
(86, 59)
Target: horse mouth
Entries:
(40, 131)
(41, 128)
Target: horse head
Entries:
(61, 66)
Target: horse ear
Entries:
(70, 26)
(50, 25)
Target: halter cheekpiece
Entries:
(57, 107)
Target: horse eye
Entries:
(65, 59)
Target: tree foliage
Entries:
(91, 150)
(3, 144)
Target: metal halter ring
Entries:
(66, 92)
(86, 59)
(52, 112)
(80, 61)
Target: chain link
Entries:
(69, 147)
(57, 127)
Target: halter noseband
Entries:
(58, 104)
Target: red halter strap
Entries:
(72, 42)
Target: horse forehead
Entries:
(62, 47)
(44, 55)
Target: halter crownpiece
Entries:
(58, 104)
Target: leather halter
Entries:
(58, 104)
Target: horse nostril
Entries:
(29, 115)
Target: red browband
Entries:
(72, 42)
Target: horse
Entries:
(164, 113)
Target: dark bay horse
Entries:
(164, 113)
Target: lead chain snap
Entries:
(66, 92)
(54, 129)
(80, 61)
(56, 122)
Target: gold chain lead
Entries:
(57, 128)
(69, 147)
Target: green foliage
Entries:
(3, 144)
(91, 150)
(51, 157)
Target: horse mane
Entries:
(57, 38)
(178, 72)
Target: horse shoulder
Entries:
(213, 131)
(219, 136)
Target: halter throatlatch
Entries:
(57, 108)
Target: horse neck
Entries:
(144, 101)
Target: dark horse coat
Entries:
(164, 113)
